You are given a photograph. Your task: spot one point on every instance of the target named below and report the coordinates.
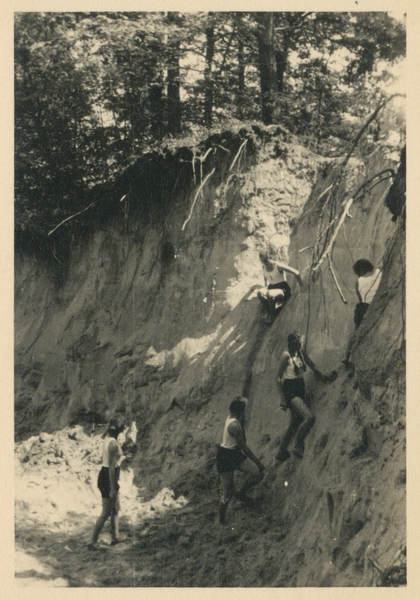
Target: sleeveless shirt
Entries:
(290, 371)
(367, 286)
(273, 276)
(105, 453)
(228, 440)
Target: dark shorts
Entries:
(229, 460)
(284, 286)
(104, 484)
(293, 388)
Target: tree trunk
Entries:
(208, 94)
(174, 100)
(267, 66)
(241, 81)
(156, 110)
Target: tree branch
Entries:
(71, 217)
(196, 196)
(237, 155)
(335, 279)
(331, 242)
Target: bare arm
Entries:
(357, 291)
(283, 364)
(324, 378)
(284, 267)
(113, 457)
(236, 432)
(282, 367)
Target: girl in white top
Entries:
(292, 388)
(112, 456)
(368, 280)
(277, 290)
(232, 455)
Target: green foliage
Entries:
(94, 91)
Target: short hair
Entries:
(362, 266)
(293, 341)
(237, 406)
(116, 424)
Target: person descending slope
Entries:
(232, 455)
(112, 456)
(277, 289)
(292, 389)
(367, 284)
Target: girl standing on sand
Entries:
(112, 456)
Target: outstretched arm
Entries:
(324, 378)
(284, 267)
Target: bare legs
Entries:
(301, 422)
(110, 508)
(228, 486)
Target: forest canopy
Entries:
(94, 91)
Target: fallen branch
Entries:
(337, 179)
(317, 200)
(71, 217)
(363, 129)
(237, 155)
(331, 242)
(196, 196)
(202, 159)
(335, 279)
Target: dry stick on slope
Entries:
(343, 165)
(237, 155)
(71, 217)
(328, 249)
(202, 159)
(333, 188)
(335, 279)
(195, 198)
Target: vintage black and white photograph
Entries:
(210, 299)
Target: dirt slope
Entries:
(159, 320)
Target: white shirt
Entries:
(367, 286)
(105, 452)
(228, 440)
(274, 276)
(290, 372)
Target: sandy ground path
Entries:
(169, 541)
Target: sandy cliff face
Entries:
(160, 321)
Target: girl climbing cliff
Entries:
(368, 280)
(277, 290)
(292, 389)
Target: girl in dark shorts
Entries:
(232, 456)
(108, 482)
(292, 366)
(104, 483)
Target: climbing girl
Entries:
(366, 286)
(232, 456)
(277, 289)
(292, 389)
(112, 456)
